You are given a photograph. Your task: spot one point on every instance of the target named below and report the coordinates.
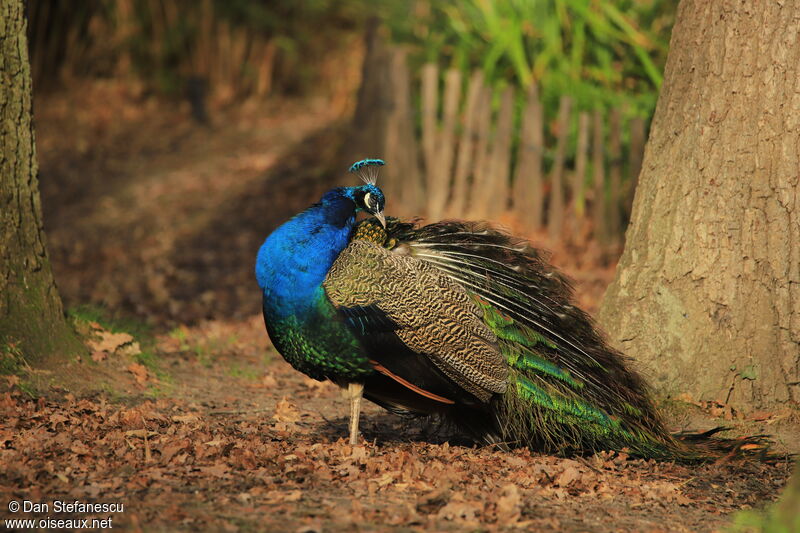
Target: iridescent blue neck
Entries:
(294, 260)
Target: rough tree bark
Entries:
(707, 292)
(31, 316)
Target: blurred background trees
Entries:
(601, 53)
(531, 113)
(591, 68)
(236, 48)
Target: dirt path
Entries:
(209, 429)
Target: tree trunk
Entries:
(707, 293)
(31, 316)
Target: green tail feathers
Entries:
(568, 391)
(544, 405)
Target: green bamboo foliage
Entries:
(605, 56)
(601, 53)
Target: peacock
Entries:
(454, 319)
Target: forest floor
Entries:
(188, 416)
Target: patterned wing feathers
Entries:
(435, 316)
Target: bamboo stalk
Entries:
(529, 195)
(158, 28)
(615, 175)
(477, 204)
(401, 150)
(206, 51)
(635, 160)
(579, 178)
(497, 186)
(225, 88)
(395, 136)
(265, 65)
(238, 57)
(466, 146)
(598, 179)
(556, 211)
(125, 29)
(430, 84)
(445, 147)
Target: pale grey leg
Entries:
(354, 391)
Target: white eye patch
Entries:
(368, 201)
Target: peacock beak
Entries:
(381, 218)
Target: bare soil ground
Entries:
(203, 426)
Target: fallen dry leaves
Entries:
(175, 465)
(104, 343)
(263, 448)
(727, 412)
(139, 372)
(242, 441)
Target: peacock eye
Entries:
(368, 200)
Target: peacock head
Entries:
(368, 197)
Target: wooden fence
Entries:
(456, 157)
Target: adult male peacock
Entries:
(455, 319)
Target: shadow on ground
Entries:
(214, 265)
(162, 218)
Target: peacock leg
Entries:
(354, 391)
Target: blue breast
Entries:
(294, 260)
(290, 268)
